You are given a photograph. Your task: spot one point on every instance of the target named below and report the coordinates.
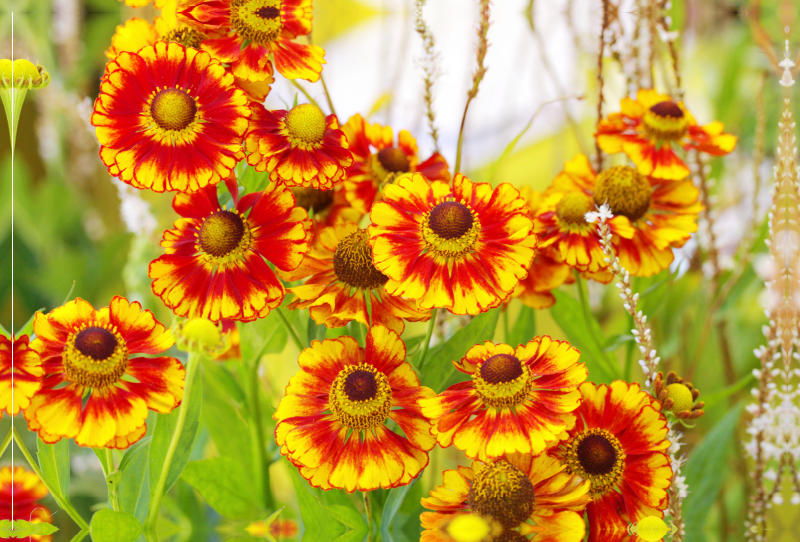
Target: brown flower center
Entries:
(360, 386)
(596, 454)
(96, 342)
(510, 536)
(186, 36)
(665, 121)
(258, 21)
(501, 368)
(352, 262)
(312, 198)
(361, 397)
(450, 220)
(625, 190)
(173, 109)
(306, 125)
(221, 233)
(572, 208)
(95, 357)
(503, 492)
(394, 160)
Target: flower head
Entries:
(619, 445)
(22, 74)
(677, 396)
(529, 498)
(169, 118)
(519, 400)
(377, 159)
(343, 285)
(463, 248)
(299, 147)
(24, 491)
(332, 421)
(20, 362)
(94, 389)
(215, 262)
(244, 33)
(647, 128)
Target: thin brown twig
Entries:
(600, 85)
(430, 70)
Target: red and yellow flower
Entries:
(137, 33)
(343, 285)
(650, 217)
(19, 360)
(531, 498)
(463, 248)
(299, 147)
(94, 390)
(169, 118)
(519, 400)
(377, 160)
(24, 491)
(332, 421)
(329, 207)
(619, 445)
(214, 266)
(647, 128)
(246, 32)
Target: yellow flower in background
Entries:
(20, 362)
(25, 492)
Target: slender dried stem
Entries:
(430, 70)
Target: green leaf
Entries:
(350, 518)
(524, 329)
(134, 487)
(316, 519)
(702, 472)
(54, 462)
(569, 316)
(390, 508)
(110, 526)
(165, 427)
(253, 181)
(713, 398)
(24, 529)
(265, 335)
(224, 485)
(439, 370)
(5, 334)
(5, 527)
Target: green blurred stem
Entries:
(13, 99)
(113, 489)
(427, 342)
(587, 312)
(155, 503)
(80, 536)
(368, 510)
(327, 95)
(260, 462)
(292, 333)
(6, 442)
(62, 501)
(506, 328)
(457, 168)
(629, 351)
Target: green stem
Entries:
(327, 95)
(457, 168)
(292, 333)
(61, 500)
(587, 311)
(155, 503)
(506, 328)
(6, 442)
(368, 510)
(427, 342)
(305, 92)
(260, 463)
(113, 489)
(629, 352)
(80, 536)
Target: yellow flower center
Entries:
(312, 198)
(503, 492)
(173, 109)
(223, 233)
(361, 397)
(651, 529)
(625, 190)
(681, 397)
(450, 229)
(306, 125)
(503, 381)
(597, 456)
(665, 121)
(352, 262)
(203, 331)
(186, 36)
(572, 208)
(258, 21)
(468, 528)
(95, 357)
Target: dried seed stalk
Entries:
(430, 70)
